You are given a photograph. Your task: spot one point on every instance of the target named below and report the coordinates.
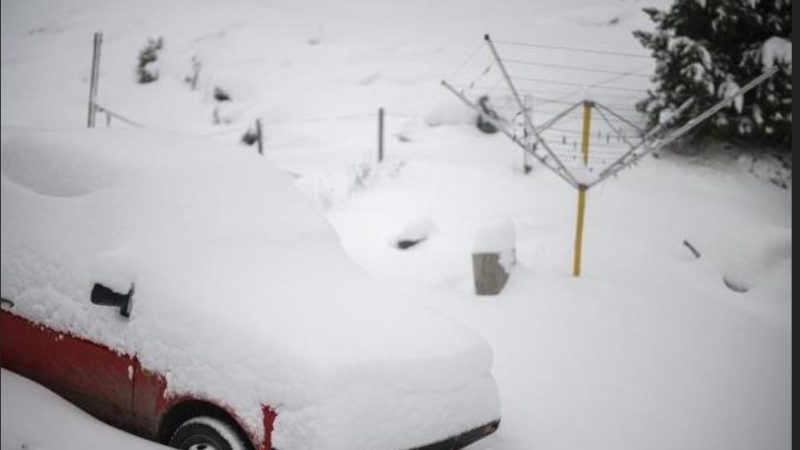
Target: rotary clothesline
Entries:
(532, 138)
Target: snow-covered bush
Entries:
(362, 175)
(483, 123)
(221, 95)
(250, 136)
(147, 69)
(706, 49)
(192, 78)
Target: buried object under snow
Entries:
(243, 295)
(414, 233)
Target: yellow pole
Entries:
(587, 125)
(576, 265)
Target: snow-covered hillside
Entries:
(647, 349)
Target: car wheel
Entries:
(207, 433)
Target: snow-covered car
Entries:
(185, 291)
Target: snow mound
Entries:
(745, 260)
(748, 258)
(776, 169)
(34, 163)
(414, 233)
(497, 237)
(451, 113)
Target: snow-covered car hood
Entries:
(242, 291)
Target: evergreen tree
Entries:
(706, 49)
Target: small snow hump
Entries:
(734, 285)
(414, 233)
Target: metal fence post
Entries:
(380, 134)
(259, 137)
(95, 78)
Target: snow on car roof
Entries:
(242, 290)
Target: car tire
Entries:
(207, 433)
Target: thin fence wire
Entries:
(109, 113)
(243, 127)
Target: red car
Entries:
(186, 292)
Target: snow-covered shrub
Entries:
(706, 49)
(362, 175)
(225, 113)
(147, 68)
(192, 78)
(221, 95)
(485, 125)
(250, 136)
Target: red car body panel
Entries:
(111, 386)
(85, 373)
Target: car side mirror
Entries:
(4, 302)
(101, 295)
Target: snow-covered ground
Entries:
(34, 418)
(647, 349)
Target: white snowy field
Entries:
(647, 349)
